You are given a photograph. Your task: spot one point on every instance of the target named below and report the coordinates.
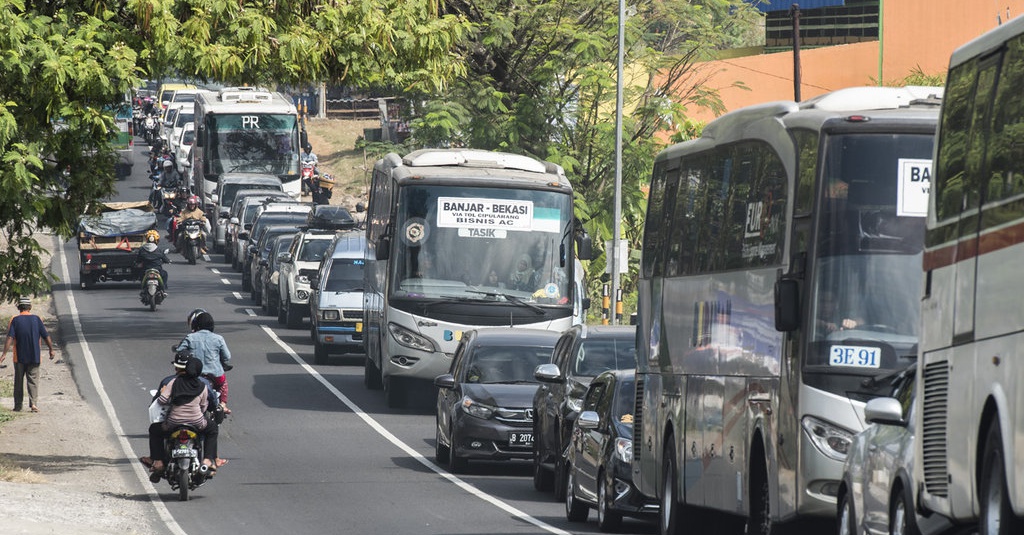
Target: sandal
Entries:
(33, 408)
(146, 461)
(156, 473)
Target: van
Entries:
(167, 92)
(336, 305)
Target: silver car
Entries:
(876, 495)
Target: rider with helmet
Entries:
(192, 211)
(211, 349)
(151, 257)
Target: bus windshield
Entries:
(486, 244)
(265, 143)
(867, 275)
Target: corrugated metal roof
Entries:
(784, 5)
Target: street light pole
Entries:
(615, 251)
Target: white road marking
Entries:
(376, 426)
(225, 281)
(250, 312)
(215, 271)
(237, 295)
(108, 407)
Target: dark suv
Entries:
(582, 352)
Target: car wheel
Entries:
(245, 281)
(293, 316)
(282, 307)
(575, 510)
(319, 354)
(901, 514)
(456, 464)
(272, 304)
(846, 522)
(608, 520)
(997, 516)
(441, 452)
(264, 305)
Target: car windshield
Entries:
(270, 234)
(184, 117)
(230, 190)
(506, 364)
(313, 250)
(596, 355)
(346, 275)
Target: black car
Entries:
(259, 226)
(261, 256)
(600, 455)
(270, 297)
(581, 353)
(484, 405)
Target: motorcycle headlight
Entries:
(476, 409)
(410, 339)
(624, 450)
(831, 440)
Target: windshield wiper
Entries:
(511, 298)
(875, 380)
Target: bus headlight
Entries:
(410, 339)
(831, 440)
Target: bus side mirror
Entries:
(383, 248)
(585, 303)
(586, 248)
(787, 305)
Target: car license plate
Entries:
(359, 327)
(516, 438)
(179, 453)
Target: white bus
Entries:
(244, 129)
(457, 240)
(971, 373)
(779, 287)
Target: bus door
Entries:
(970, 220)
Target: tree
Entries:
(541, 80)
(65, 66)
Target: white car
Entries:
(183, 147)
(297, 269)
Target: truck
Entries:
(109, 234)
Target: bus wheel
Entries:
(393, 396)
(997, 516)
(671, 509)
(760, 520)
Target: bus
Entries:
(244, 130)
(779, 287)
(971, 370)
(459, 240)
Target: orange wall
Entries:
(916, 33)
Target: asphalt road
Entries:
(311, 450)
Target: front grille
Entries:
(934, 428)
(638, 424)
(515, 417)
(352, 314)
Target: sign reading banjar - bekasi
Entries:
(469, 213)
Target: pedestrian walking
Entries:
(24, 333)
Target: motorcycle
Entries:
(308, 170)
(185, 471)
(191, 235)
(152, 293)
(149, 129)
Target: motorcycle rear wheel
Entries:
(182, 485)
(152, 303)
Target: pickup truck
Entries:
(109, 234)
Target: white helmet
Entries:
(168, 163)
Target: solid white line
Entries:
(376, 426)
(90, 363)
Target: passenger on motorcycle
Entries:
(188, 397)
(191, 211)
(150, 256)
(210, 348)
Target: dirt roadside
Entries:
(62, 469)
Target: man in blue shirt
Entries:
(25, 331)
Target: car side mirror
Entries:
(548, 373)
(588, 420)
(233, 221)
(284, 258)
(224, 214)
(214, 197)
(886, 411)
(445, 381)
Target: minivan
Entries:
(336, 306)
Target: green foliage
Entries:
(917, 76)
(64, 66)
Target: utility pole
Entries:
(613, 254)
(794, 12)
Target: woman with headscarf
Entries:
(187, 397)
(522, 274)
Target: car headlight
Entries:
(476, 409)
(410, 339)
(832, 441)
(624, 450)
(332, 315)
(574, 404)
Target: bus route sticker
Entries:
(478, 213)
(915, 182)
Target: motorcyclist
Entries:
(212, 350)
(149, 256)
(188, 397)
(191, 211)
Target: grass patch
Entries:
(13, 473)
(334, 142)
